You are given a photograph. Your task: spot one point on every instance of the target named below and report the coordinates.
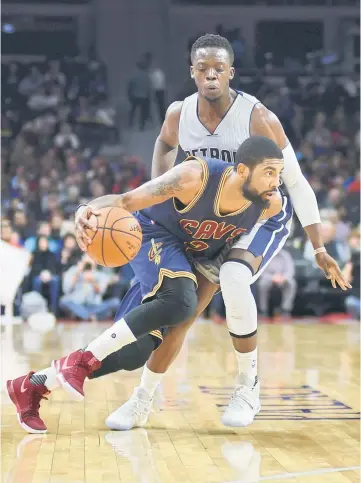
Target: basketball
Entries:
(118, 237)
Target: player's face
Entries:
(262, 183)
(211, 71)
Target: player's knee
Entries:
(129, 358)
(247, 258)
(179, 297)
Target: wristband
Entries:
(319, 250)
(82, 204)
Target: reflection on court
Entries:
(307, 430)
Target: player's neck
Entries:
(231, 198)
(216, 109)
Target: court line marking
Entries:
(284, 476)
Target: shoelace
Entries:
(35, 405)
(137, 405)
(241, 393)
(82, 366)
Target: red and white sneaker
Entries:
(72, 370)
(27, 397)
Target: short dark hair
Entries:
(255, 150)
(212, 40)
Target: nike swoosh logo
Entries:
(65, 366)
(22, 388)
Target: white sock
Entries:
(247, 367)
(47, 377)
(111, 340)
(150, 380)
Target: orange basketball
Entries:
(118, 237)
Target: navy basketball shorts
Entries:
(161, 255)
(266, 239)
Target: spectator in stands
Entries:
(238, 46)
(139, 94)
(279, 273)
(352, 275)
(31, 82)
(158, 83)
(72, 199)
(22, 225)
(44, 272)
(56, 223)
(54, 75)
(44, 98)
(11, 81)
(285, 110)
(83, 112)
(319, 136)
(66, 138)
(84, 286)
(70, 253)
(44, 230)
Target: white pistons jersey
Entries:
(233, 129)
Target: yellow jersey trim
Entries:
(203, 187)
(217, 199)
(262, 215)
(164, 272)
(157, 333)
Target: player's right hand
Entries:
(82, 223)
(332, 271)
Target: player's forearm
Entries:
(302, 195)
(164, 157)
(314, 234)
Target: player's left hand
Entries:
(82, 223)
(332, 271)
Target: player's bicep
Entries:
(178, 182)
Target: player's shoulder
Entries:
(248, 98)
(262, 114)
(264, 122)
(174, 109)
(172, 116)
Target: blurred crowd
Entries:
(55, 122)
(146, 87)
(321, 118)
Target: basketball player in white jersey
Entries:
(214, 122)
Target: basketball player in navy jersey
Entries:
(188, 214)
(214, 122)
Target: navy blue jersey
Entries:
(200, 225)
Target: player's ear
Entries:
(192, 71)
(231, 73)
(242, 170)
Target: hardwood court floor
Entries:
(307, 431)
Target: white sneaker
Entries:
(244, 406)
(132, 414)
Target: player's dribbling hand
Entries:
(332, 271)
(82, 223)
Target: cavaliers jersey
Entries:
(200, 225)
(233, 129)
